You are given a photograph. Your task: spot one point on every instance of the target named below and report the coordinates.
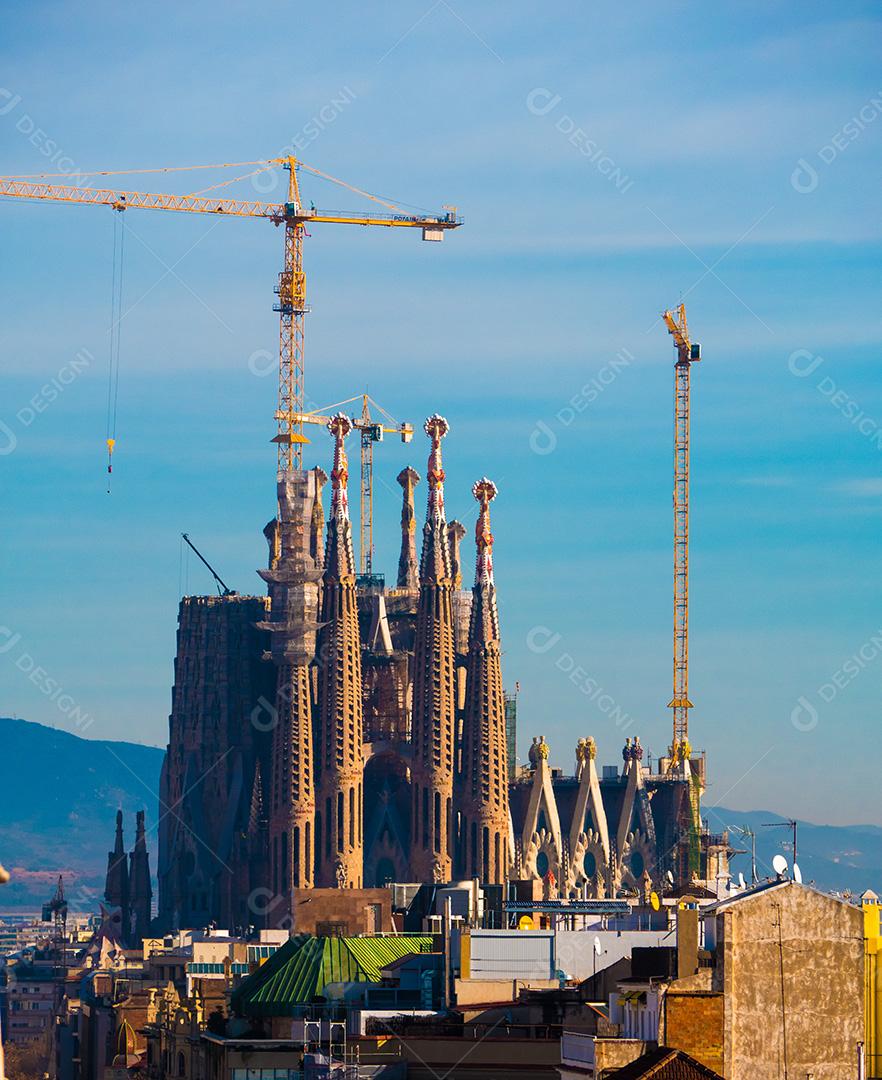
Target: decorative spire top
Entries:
(408, 570)
(140, 838)
(538, 751)
(339, 426)
(484, 491)
(455, 533)
(119, 846)
(436, 427)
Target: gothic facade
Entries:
(338, 733)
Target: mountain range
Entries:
(60, 793)
(58, 800)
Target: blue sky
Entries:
(607, 161)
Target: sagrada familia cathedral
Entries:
(338, 733)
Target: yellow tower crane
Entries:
(688, 353)
(371, 432)
(291, 288)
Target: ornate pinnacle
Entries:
(455, 533)
(408, 573)
(484, 491)
(436, 427)
(339, 426)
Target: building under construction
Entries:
(338, 733)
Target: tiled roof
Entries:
(665, 1064)
(303, 967)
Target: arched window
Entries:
(182, 1065)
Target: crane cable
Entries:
(116, 293)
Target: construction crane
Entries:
(222, 589)
(688, 353)
(371, 432)
(291, 288)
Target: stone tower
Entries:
(338, 757)
(434, 700)
(484, 787)
(408, 571)
(294, 591)
(140, 889)
(116, 884)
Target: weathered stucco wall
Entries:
(790, 962)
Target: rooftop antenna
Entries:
(222, 589)
(789, 824)
(779, 865)
(749, 834)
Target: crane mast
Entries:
(687, 354)
(292, 308)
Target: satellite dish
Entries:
(654, 901)
(525, 923)
(797, 874)
(779, 864)
(741, 882)
(598, 948)
(670, 877)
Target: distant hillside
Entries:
(833, 856)
(58, 799)
(60, 793)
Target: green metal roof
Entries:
(300, 970)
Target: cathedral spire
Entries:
(293, 579)
(455, 535)
(339, 557)
(141, 891)
(484, 838)
(116, 884)
(317, 527)
(434, 699)
(408, 570)
(339, 760)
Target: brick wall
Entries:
(693, 1022)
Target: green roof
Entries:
(300, 970)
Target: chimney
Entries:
(687, 940)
